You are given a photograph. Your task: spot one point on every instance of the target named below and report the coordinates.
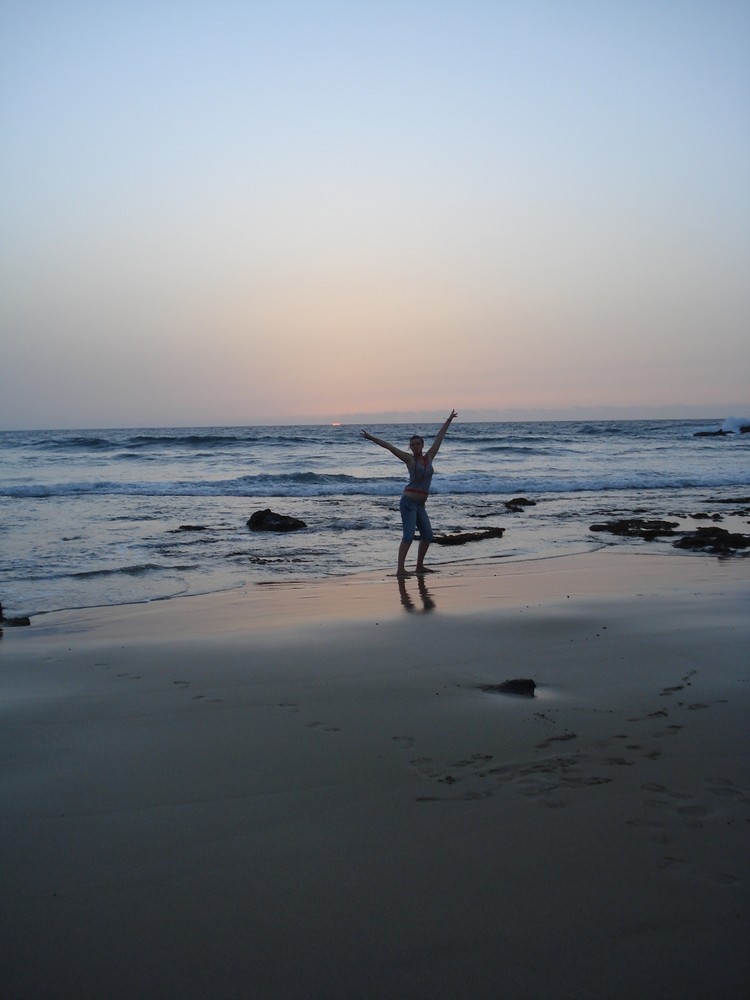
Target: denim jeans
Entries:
(413, 516)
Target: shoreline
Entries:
(300, 790)
(452, 586)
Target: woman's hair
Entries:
(416, 437)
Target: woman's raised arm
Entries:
(433, 449)
(404, 456)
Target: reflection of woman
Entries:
(414, 497)
(428, 604)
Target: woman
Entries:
(414, 497)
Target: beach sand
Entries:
(300, 791)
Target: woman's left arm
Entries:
(433, 449)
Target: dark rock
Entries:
(518, 503)
(268, 520)
(718, 541)
(188, 527)
(737, 429)
(519, 685)
(637, 527)
(462, 537)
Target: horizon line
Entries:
(475, 415)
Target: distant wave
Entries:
(181, 440)
(311, 484)
(603, 428)
(138, 442)
(148, 442)
(517, 449)
(77, 443)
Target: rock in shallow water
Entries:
(716, 540)
(637, 527)
(462, 537)
(269, 520)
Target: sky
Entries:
(220, 212)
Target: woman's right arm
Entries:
(404, 456)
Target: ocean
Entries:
(103, 517)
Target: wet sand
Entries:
(303, 791)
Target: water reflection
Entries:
(408, 602)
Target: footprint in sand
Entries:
(563, 737)
(476, 760)
(405, 742)
(464, 797)
(294, 709)
(666, 692)
(324, 727)
(654, 786)
(545, 781)
(693, 815)
(682, 815)
(725, 787)
(671, 730)
(658, 835)
(660, 713)
(671, 862)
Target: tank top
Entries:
(420, 476)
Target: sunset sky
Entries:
(222, 212)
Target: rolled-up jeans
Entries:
(413, 516)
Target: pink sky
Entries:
(221, 213)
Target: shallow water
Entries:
(94, 517)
